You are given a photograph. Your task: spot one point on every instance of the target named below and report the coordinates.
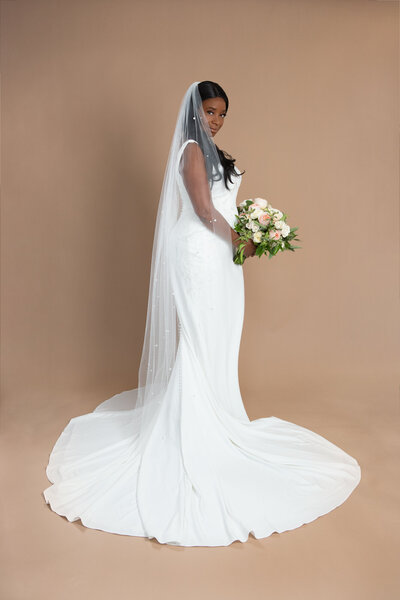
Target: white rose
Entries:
(285, 230)
(277, 214)
(261, 202)
(256, 212)
(249, 225)
(257, 237)
(254, 227)
(279, 224)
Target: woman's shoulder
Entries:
(186, 144)
(189, 152)
(190, 148)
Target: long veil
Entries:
(200, 166)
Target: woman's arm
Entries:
(196, 182)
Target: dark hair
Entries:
(210, 89)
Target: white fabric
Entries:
(208, 475)
(198, 167)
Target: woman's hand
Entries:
(249, 249)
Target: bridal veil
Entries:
(200, 166)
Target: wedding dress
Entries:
(207, 475)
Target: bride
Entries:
(177, 458)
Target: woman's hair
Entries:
(210, 89)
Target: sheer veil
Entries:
(199, 165)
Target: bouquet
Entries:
(257, 220)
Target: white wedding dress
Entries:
(208, 475)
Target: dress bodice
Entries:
(223, 199)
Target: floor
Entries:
(349, 554)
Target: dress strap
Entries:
(181, 149)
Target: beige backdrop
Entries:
(90, 94)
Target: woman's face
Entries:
(215, 111)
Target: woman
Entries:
(177, 459)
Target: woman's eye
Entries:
(211, 112)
